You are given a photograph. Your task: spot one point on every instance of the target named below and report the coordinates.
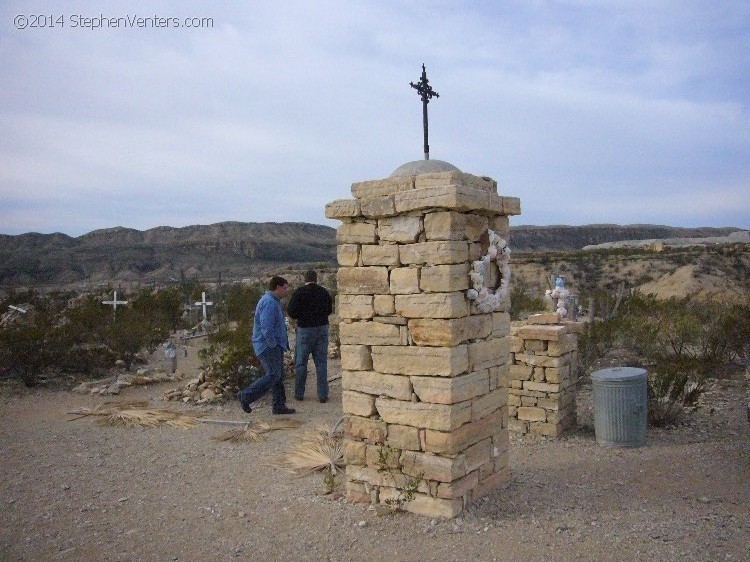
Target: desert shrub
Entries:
(521, 302)
(229, 355)
(682, 343)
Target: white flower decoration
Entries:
(484, 299)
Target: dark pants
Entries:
(311, 340)
(272, 361)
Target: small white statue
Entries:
(559, 297)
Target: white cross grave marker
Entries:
(204, 303)
(114, 302)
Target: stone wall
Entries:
(425, 376)
(543, 375)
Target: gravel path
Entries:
(74, 490)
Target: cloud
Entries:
(589, 112)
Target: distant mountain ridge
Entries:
(237, 250)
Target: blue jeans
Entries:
(272, 361)
(311, 340)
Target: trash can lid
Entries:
(618, 374)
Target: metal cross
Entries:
(114, 302)
(204, 303)
(426, 92)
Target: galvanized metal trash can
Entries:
(620, 406)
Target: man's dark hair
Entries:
(277, 281)
(311, 276)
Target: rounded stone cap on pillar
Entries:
(423, 167)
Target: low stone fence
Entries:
(541, 394)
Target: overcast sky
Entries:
(591, 112)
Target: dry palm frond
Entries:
(246, 435)
(254, 434)
(132, 417)
(319, 450)
(131, 414)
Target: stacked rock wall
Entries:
(424, 376)
(543, 375)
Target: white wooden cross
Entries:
(204, 303)
(114, 302)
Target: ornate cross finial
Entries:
(426, 92)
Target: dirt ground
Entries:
(75, 490)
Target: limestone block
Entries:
(433, 467)
(511, 206)
(384, 305)
(354, 451)
(356, 233)
(567, 344)
(442, 390)
(365, 428)
(499, 376)
(392, 320)
(516, 344)
(557, 374)
(357, 403)
(541, 386)
(500, 324)
(404, 280)
(390, 478)
(434, 253)
(449, 332)
(513, 399)
(458, 488)
(342, 208)
(356, 492)
(347, 255)
(355, 307)
(445, 278)
(535, 332)
(454, 442)
(541, 360)
(454, 197)
(378, 188)
(386, 254)
(439, 417)
(428, 506)
(559, 415)
(420, 361)
(531, 414)
(432, 305)
(518, 426)
(528, 400)
(544, 318)
(548, 429)
(455, 177)
(488, 353)
(356, 358)
(369, 333)
(377, 207)
(362, 280)
(484, 405)
(521, 372)
(501, 225)
(378, 384)
(376, 455)
(450, 225)
(404, 229)
(478, 454)
(536, 346)
(403, 437)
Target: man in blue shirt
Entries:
(270, 341)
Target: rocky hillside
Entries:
(232, 249)
(238, 250)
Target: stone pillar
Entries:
(424, 372)
(543, 375)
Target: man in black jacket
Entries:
(310, 306)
